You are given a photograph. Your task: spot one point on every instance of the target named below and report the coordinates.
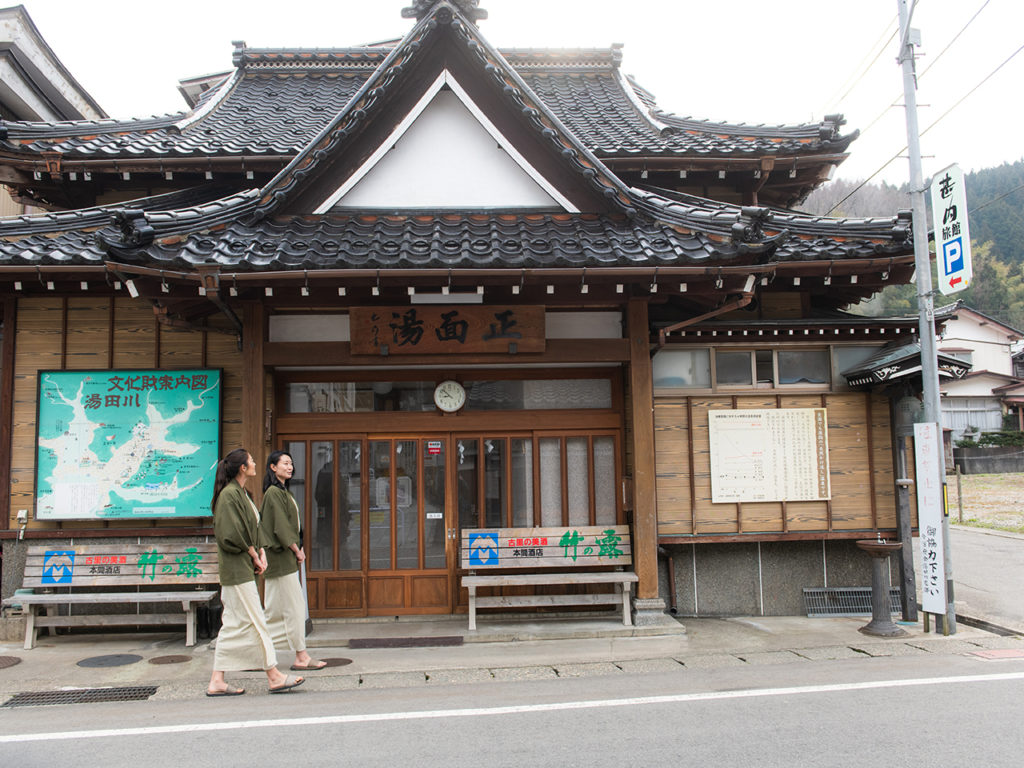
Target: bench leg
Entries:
(627, 619)
(472, 607)
(190, 623)
(30, 628)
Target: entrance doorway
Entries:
(383, 512)
(376, 533)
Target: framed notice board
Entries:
(126, 444)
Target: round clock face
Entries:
(449, 396)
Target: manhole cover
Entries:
(8, 661)
(337, 662)
(113, 660)
(179, 659)
(80, 696)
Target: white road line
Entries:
(681, 698)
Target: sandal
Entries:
(289, 682)
(312, 664)
(226, 692)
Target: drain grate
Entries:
(111, 660)
(177, 659)
(404, 642)
(80, 696)
(8, 661)
(844, 601)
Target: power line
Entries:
(995, 200)
(894, 100)
(932, 125)
(857, 78)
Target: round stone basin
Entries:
(879, 548)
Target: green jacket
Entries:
(237, 528)
(280, 524)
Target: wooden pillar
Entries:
(253, 390)
(645, 513)
(8, 311)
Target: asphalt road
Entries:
(988, 571)
(963, 707)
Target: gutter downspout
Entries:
(746, 297)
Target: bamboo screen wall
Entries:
(102, 333)
(860, 458)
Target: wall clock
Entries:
(449, 396)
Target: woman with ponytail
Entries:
(244, 641)
(286, 605)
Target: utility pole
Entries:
(922, 263)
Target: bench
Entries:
(176, 572)
(569, 549)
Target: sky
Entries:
(744, 61)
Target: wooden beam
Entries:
(340, 353)
(253, 388)
(8, 313)
(645, 512)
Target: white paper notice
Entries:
(778, 454)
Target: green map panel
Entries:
(127, 443)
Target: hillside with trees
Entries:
(995, 198)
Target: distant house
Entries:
(34, 85)
(977, 402)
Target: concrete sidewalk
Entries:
(510, 649)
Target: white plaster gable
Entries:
(446, 155)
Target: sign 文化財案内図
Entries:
(126, 443)
(952, 235)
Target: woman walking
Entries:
(244, 641)
(286, 605)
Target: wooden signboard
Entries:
(446, 330)
(563, 547)
(95, 565)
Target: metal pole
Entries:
(922, 263)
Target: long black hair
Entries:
(227, 470)
(270, 478)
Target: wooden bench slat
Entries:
(112, 620)
(96, 598)
(88, 566)
(527, 579)
(518, 601)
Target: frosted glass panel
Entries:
(321, 533)
(604, 480)
(732, 367)
(407, 503)
(550, 482)
(350, 508)
(433, 503)
(522, 483)
(682, 368)
(380, 504)
(579, 480)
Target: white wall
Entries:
(447, 160)
(989, 342)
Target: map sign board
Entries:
(126, 444)
(775, 454)
(952, 236)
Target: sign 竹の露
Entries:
(952, 237)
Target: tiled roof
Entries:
(279, 99)
(664, 233)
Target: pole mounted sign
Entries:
(952, 237)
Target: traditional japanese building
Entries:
(340, 232)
